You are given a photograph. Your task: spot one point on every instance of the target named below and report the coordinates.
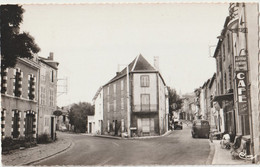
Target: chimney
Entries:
(51, 56)
(118, 70)
(156, 62)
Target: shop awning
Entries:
(228, 97)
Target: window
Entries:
(4, 80)
(108, 107)
(43, 74)
(228, 43)
(223, 52)
(145, 102)
(122, 85)
(52, 75)
(114, 105)
(122, 103)
(46, 121)
(225, 81)
(43, 95)
(51, 98)
(18, 75)
(145, 81)
(31, 86)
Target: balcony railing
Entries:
(145, 108)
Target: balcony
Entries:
(145, 108)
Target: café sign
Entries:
(242, 97)
(240, 63)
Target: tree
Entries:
(175, 102)
(13, 43)
(78, 115)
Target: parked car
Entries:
(200, 128)
(177, 124)
(63, 128)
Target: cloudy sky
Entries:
(90, 40)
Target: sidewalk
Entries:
(34, 154)
(223, 156)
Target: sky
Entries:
(90, 40)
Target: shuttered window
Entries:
(145, 81)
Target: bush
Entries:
(44, 139)
(7, 142)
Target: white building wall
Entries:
(138, 90)
(98, 117)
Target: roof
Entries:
(139, 64)
(222, 34)
(212, 80)
(49, 62)
(97, 93)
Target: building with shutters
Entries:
(237, 77)
(135, 101)
(19, 97)
(47, 95)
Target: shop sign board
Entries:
(240, 63)
(242, 96)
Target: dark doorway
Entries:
(16, 125)
(52, 128)
(90, 128)
(29, 125)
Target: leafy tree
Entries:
(78, 115)
(175, 102)
(13, 43)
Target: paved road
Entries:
(178, 148)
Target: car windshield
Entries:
(198, 123)
(205, 123)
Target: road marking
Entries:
(116, 144)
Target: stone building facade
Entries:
(47, 95)
(19, 96)
(136, 101)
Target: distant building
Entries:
(135, 101)
(63, 120)
(47, 95)
(95, 123)
(19, 96)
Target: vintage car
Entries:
(200, 128)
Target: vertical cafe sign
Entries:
(241, 84)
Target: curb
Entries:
(133, 138)
(37, 160)
(211, 153)
(108, 137)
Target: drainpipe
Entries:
(128, 102)
(249, 86)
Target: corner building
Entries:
(140, 106)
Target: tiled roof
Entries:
(143, 64)
(138, 64)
